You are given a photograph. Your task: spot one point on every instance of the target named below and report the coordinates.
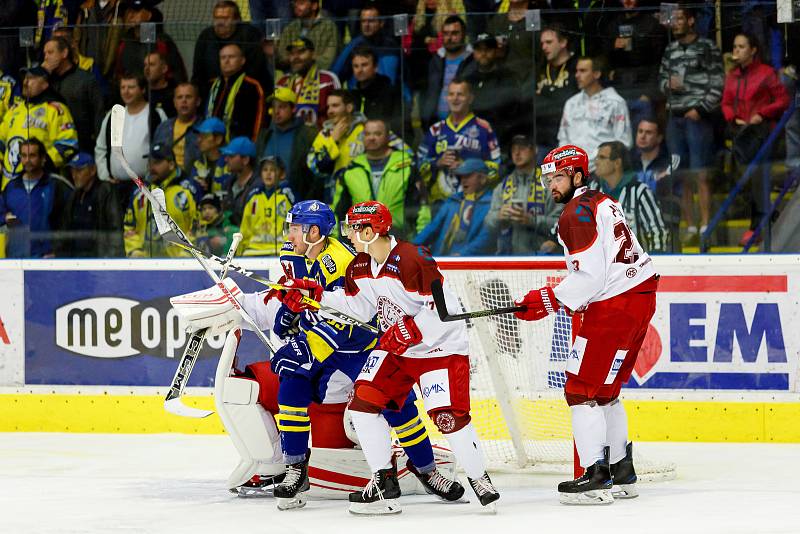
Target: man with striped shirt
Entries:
(615, 179)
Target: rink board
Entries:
(720, 362)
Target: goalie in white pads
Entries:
(611, 280)
(392, 279)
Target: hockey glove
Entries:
(210, 308)
(400, 336)
(299, 287)
(275, 293)
(286, 323)
(539, 303)
(293, 358)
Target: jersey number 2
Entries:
(622, 235)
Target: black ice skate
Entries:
(624, 476)
(259, 486)
(594, 487)
(379, 496)
(484, 489)
(436, 484)
(291, 492)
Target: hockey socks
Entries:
(413, 437)
(589, 430)
(466, 447)
(616, 429)
(375, 437)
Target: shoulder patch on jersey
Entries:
(328, 262)
(287, 247)
(577, 224)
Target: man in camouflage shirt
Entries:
(692, 77)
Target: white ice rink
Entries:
(93, 483)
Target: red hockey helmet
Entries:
(370, 213)
(567, 158)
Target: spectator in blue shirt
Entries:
(458, 229)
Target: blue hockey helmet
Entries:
(312, 212)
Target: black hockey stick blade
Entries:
(437, 291)
(173, 402)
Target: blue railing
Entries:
(752, 167)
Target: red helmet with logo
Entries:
(371, 213)
(568, 158)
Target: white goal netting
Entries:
(517, 371)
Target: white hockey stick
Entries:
(117, 124)
(173, 402)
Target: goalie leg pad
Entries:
(251, 428)
(267, 385)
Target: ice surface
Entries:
(96, 483)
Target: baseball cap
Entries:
(81, 160)
(471, 165)
(211, 125)
(521, 139)
(240, 146)
(274, 160)
(159, 152)
(284, 94)
(212, 199)
(35, 70)
(485, 39)
(300, 42)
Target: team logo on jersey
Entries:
(389, 313)
(328, 262)
(473, 131)
(630, 273)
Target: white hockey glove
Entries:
(209, 308)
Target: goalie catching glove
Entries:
(539, 303)
(297, 289)
(293, 358)
(401, 335)
(210, 308)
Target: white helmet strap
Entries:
(366, 243)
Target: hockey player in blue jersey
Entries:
(459, 137)
(321, 362)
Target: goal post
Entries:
(517, 368)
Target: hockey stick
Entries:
(173, 402)
(339, 315)
(441, 307)
(117, 125)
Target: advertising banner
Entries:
(12, 324)
(116, 327)
(714, 329)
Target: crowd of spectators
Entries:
(445, 121)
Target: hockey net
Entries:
(517, 370)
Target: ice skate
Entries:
(291, 492)
(624, 476)
(379, 496)
(594, 487)
(437, 484)
(485, 490)
(259, 486)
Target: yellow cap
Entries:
(284, 94)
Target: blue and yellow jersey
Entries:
(325, 337)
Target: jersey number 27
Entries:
(622, 235)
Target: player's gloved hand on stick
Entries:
(210, 308)
(286, 323)
(539, 303)
(275, 293)
(401, 335)
(299, 287)
(293, 358)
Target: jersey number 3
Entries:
(622, 235)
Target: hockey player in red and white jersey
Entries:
(392, 279)
(612, 281)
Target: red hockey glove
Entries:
(400, 336)
(294, 296)
(539, 303)
(276, 293)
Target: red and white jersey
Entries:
(604, 259)
(401, 286)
